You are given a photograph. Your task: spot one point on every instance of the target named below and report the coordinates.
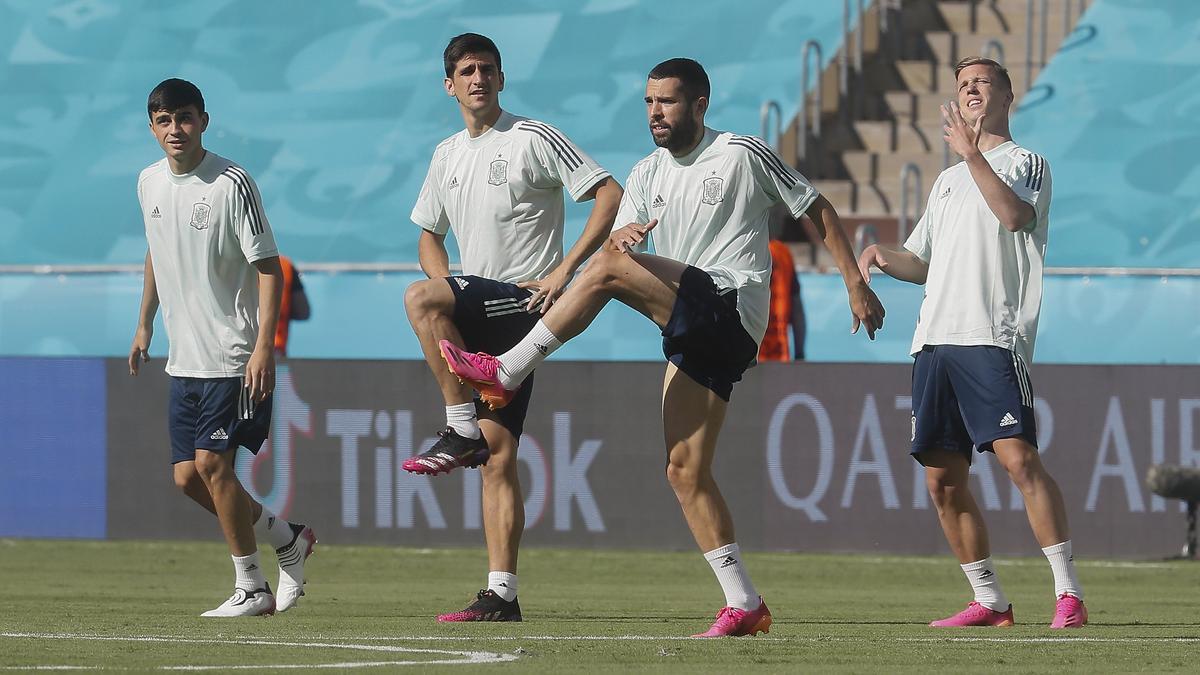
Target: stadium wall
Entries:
(813, 458)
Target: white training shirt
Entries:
(501, 194)
(713, 210)
(204, 230)
(985, 283)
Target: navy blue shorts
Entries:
(704, 337)
(214, 414)
(966, 396)
(491, 317)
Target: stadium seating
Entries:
(1112, 113)
(336, 109)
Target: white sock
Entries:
(503, 584)
(463, 419)
(726, 563)
(272, 528)
(985, 581)
(249, 576)
(1062, 563)
(517, 363)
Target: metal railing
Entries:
(810, 46)
(764, 118)
(907, 172)
(994, 50)
(864, 235)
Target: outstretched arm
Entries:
(139, 353)
(899, 264)
(865, 307)
(607, 195)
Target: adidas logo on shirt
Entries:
(658, 202)
(1008, 420)
(156, 213)
(219, 435)
(454, 182)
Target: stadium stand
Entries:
(342, 107)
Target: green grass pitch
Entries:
(134, 606)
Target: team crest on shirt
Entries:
(200, 213)
(498, 172)
(714, 190)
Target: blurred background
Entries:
(335, 109)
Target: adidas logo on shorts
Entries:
(1008, 420)
(219, 435)
(462, 283)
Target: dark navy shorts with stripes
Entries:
(964, 396)
(214, 414)
(704, 336)
(491, 317)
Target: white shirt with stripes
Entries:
(985, 283)
(204, 229)
(713, 209)
(501, 193)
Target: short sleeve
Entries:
(772, 175)
(430, 211)
(920, 242)
(1031, 183)
(247, 217)
(561, 162)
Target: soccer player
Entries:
(704, 194)
(213, 264)
(979, 250)
(498, 184)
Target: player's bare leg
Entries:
(503, 507)
(293, 542)
(947, 476)
(503, 525)
(1047, 515)
(646, 283)
(251, 595)
(1043, 501)
(692, 420)
(430, 307)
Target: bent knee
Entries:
(428, 295)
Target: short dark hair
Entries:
(173, 94)
(1000, 71)
(468, 43)
(689, 72)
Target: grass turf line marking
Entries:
(465, 657)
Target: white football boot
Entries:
(291, 566)
(258, 602)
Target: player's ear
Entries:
(449, 84)
(501, 82)
(204, 121)
(701, 105)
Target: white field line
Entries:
(1119, 640)
(463, 657)
(1118, 564)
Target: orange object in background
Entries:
(785, 301)
(293, 304)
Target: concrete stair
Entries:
(857, 163)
